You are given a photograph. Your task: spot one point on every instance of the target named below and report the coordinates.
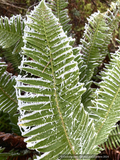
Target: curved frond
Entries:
(59, 8)
(113, 140)
(50, 109)
(8, 100)
(97, 36)
(11, 30)
(93, 43)
(106, 106)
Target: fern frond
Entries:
(1, 157)
(95, 41)
(3, 67)
(107, 106)
(13, 56)
(11, 30)
(113, 140)
(5, 122)
(8, 100)
(97, 36)
(50, 109)
(59, 8)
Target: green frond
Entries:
(51, 115)
(11, 30)
(106, 106)
(113, 140)
(8, 100)
(1, 157)
(59, 8)
(13, 56)
(97, 36)
(3, 67)
(5, 122)
(94, 42)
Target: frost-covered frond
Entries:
(3, 67)
(51, 115)
(97, 36)
(8, 99)
(107, 104)
(94, 43)
(59, 8)
(113, 140)
(78, 55)
(11, 31)
(13, 57)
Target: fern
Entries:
(97, 36)
(8, 100)
(106, 106)
(59, 8)
(2, 67)
(12, 28)
(49, 94)
(113, 140)
(5, 122)
(51, 105)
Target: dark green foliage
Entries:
(5, 125)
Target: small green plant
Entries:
(58, 111)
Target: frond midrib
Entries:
(56, 98)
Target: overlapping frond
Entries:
(97, 36)
(11, 30)
(113, 140)
(106, 106)
(1, 154)
(50, 109)
(59, 8)
(3, 67)
(8, 99)
(93, 44)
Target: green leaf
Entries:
(113, 140)
(50, 109)
(11, 31)
(59, 8)
(8, 100)
(3, 67)
(106, 106)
